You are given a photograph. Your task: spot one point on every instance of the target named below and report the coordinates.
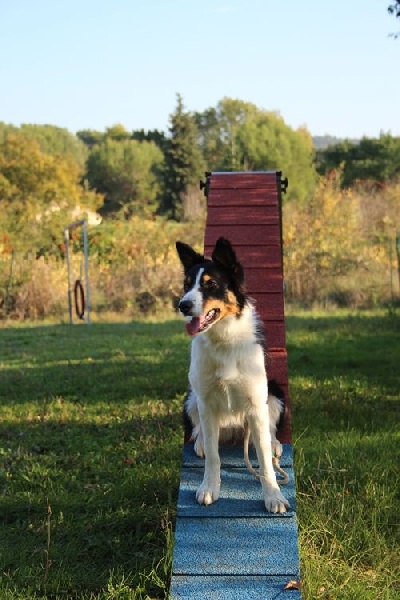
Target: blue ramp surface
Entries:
(233, 548)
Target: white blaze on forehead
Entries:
(195, 296)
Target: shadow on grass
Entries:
(85, 364)
(92, 428)
(112, 490)
(345, 371)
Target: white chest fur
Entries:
(227, 365)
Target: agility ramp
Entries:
(234, 549)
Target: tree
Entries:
(184, 164)
(321, 239)
(394, 9)
(218, 130)
(37, 192)
(152, 135)
(117, 132)
(239, 136)
(128, 174)
(90, 137)
(209, 137)
(373, 159)
(55, 141)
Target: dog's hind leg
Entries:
(275, 409)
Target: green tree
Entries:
(373, 159)
(128, 173)
(210, 138)
(239, 136)
(184, 164)
(90, 137)
(265, 142)
(218, 131)
(152, 135)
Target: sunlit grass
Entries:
(345, 384)
(90, 447)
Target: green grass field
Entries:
(90, 446)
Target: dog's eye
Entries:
(186, 284)
(210, 284)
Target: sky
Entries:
(89, 64)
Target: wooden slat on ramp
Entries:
(234, 548)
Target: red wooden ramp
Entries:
(233, 548)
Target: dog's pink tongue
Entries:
(193, 326)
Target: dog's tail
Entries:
(275, 457)
(246, 441)
(253, 471)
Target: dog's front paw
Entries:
(275, 502)
(207, 494)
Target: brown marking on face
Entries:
(206, 277)
(225, 308)
(232, 300)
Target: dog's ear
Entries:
(225, 255)
(188, 256)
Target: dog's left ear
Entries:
(225, 255)
(188, 256)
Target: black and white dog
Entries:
(228, 381)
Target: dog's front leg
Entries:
(208, 491)
(274, 501)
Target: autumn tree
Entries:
(37, 192)
(52, 140)
(117, 132)
(321, 240)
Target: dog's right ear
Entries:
(188, 256)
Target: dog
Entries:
(228, 381)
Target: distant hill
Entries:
(323, 141)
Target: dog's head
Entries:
(213, 289)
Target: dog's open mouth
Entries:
(199, 324)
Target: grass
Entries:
(90, 444)
(345, 387)
(90, 449)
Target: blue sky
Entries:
(88, 64)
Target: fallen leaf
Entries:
(293, 585)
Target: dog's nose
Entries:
(185, 306)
